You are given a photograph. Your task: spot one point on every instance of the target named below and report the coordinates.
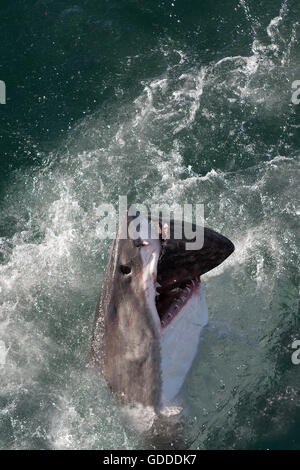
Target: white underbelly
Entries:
(179, 344)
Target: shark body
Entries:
(151, 312)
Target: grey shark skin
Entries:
(147, 285)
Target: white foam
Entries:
(3, 353)
(140, 417)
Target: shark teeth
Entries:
(180, 295)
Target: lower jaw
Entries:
(167, 318)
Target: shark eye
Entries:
(125, 269)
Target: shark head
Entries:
(151, 312)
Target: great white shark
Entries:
(151, 312)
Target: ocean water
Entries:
(165, 101)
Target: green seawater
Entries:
(162, 101)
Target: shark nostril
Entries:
(125, 269)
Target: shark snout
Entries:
(177, 264)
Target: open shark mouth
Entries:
(172, 274)
(170, 282)
(170, 299)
